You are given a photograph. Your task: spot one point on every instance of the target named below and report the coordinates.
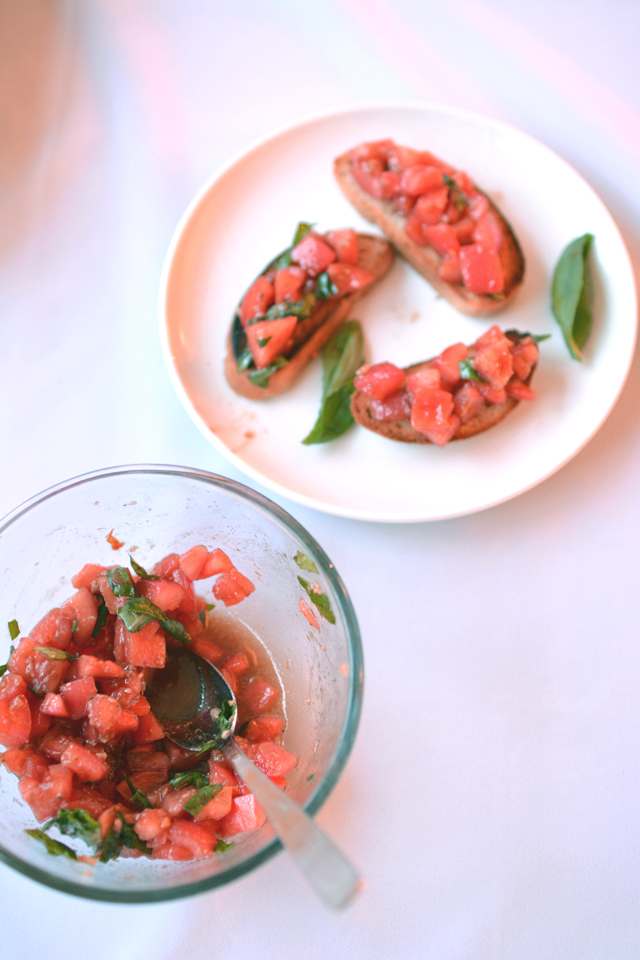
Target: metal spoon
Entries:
(190, 697)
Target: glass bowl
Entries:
(155, 510)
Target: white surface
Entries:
(504, 823)
(246, 214)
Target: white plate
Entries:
(247, 213)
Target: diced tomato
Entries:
(419, 178)
(217, 562)
(413, 229)
(494, 364)
(448, 363)
(88, 666)
(308, 615)
(171, 851)
(15, 722)
(432, 414)
(443, 238)
(345, 244)
(148, 757)
(424, 378)
(395, 407)
(519, 390)
(490, 394)
(40, 721)
(196, 838)
(218, 773)
(82, 610)
(267, 725)
(179, 758)
(430, 206)
(42, 673)
(140, 708)
(108, 595)
(237, 664)
(478, 205)
(313, 254)
(524, 355)
(104, 714)
(148, 730)
(380, 380)
(348, 278)
(467, 402)
(208, 649)
(54, 630)
(246, 814)
(194, 560)
(288, 283)
(267, 339)
(150, 823)
(53, 704)
(464, 229)
(166, 594)
(85, 763)
(146, 648)
(374, 180)
(488, 232)
(87, 575)
(373, 150)
(167, 565)
(76, 696)
(404, 204)
(450, 269)
(258, 695)
(87, 798)
(127, 690)
(257, 300)
(219, 807)
(481, 269)
(232, 588)
(15, 758)
(272, 759)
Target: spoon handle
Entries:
(327, 870)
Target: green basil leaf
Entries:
(260, 378)
(523, 334)
(318, 598)
(325, 287)
(300, 309)
(199, 800)
(341, 357)
(54, 847)
(572, 294)
(74, 626)
(137, 796)
(191, 778)
(14, 629)
(137, 612)
(238, 337)
(301, 231)
(245, 360)
(141, 570)
(5, 666)
(76, 823)
(120, 582)
(310, 777)
(103, 613)
(221, 846)
(467, 372)
(263, 341)
(305, 562)
(52, 653)
(117, 839)
(335, 417)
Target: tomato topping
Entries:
(380, 380)
(519, 390)
(348, 278)
(413, 229)
(481, 269)
(467, 402)
(494, 364)
(313, 254)
(15, 721)
(448, 363)
(257, 300)
(373, 150)
(246, 814)
(232, 588)
(524, 355)
(431, 409)
(464, 229)
(268, 338)
(487, 232)
(192, 562)
(395, 407)
(345, 244)
(450, 270)
(288, 283)
(443, 238)
(419, 178)
(430, 206)
(217, 562)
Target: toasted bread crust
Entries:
(402, 430)
(376, 256)
(424, 259)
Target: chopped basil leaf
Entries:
(325, 287)
(119, 838)
(4, 667)
(310, 777)
(263, 341)
(54, 847)
(141, 570)
(305, 562)
(523, 334)
(341, 358)
(245, 360)
(137, 796)
(53, 653)
(221, 846)
(76, 823)
(203, 618)
(238, 337)
(14, 629)
(191, 778)
(260, 378)
(300, 309)
(572, 294)
(120, 582)
(103, 613)
(283, 260)
(467, 372)
(320, 600)
(74, 626)
(199, 800)
(137, 612)
(301, 231)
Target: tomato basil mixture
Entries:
(91, 757)
(454, 387)
(269, 324)
(443, 210)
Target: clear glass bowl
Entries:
(158, 510)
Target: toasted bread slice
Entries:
(401, 430)
(425, 259)
(312, 333)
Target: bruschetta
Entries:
(296, 305)
(439, 220)
(462, 392)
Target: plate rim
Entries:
(370, 106)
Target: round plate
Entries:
(247, 213)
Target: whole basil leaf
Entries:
(341, 358)
(572, 294)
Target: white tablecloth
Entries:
(500, 817)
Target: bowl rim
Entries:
(354, 703)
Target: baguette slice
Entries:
(425, 259)
(312, 333)
(401, 430)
